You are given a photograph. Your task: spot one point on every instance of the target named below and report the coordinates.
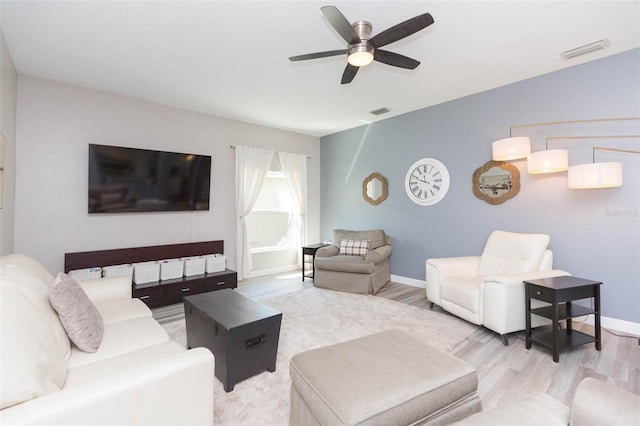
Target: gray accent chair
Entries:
(354, 274)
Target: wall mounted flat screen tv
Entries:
(123, 180)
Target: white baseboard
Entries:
(616, 324)
(408, 281)
(272, 271)
(606, 322)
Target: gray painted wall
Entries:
(594, 233)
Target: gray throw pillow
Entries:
(78, 315)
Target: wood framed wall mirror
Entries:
(496, 182)
(375, 189)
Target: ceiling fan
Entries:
(362, 48)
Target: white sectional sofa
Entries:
(136, 376)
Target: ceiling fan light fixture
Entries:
(361, 47)
(360, 55)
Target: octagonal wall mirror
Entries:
(375, 189)
(496, 182)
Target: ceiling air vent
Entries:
(379, 111)
(587, 48)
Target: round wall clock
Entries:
(427, 181)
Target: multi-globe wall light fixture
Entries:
(583, 176)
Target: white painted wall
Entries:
(54, 127)
(8, 94)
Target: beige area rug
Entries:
(314, 318)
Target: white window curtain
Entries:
(294, 167)
(252, 165)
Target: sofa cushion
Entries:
(122, 337)
(508, 253)
(34, 346)
(463, 291)
(341, 263)
(30, 361)
(354, 247)
(597, 402)
(377, 238)
(78, 314)
(127, 361)
(34, 281)
(123, 310)
(535, 410)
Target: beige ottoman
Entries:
(389, 378)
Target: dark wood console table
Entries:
(166, 292)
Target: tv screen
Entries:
(123, 180)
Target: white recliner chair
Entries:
(488, 290)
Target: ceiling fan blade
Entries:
(341, 25)
(349, 72)
(395, 59)
(401, 30)
(318, 55)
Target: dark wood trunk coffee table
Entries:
(242, 333)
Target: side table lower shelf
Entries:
(544, 337)
(565, 311)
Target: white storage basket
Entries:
(215, 262)
(146, 272)
(194, 265)
(86, 274)
(117, 271)
(171, 268)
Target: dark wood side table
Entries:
(310, 250)
(560, 292)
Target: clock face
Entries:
(427, 181)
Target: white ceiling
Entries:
(230, 58)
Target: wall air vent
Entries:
(379, 111)
(587, 48)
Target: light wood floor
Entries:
(505, 373)
(508, 373)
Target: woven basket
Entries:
(171, 268)
(117, 271)
(215, 262)
(194, 266)
(86, 274)
(146, 272)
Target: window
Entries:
(270, 223)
